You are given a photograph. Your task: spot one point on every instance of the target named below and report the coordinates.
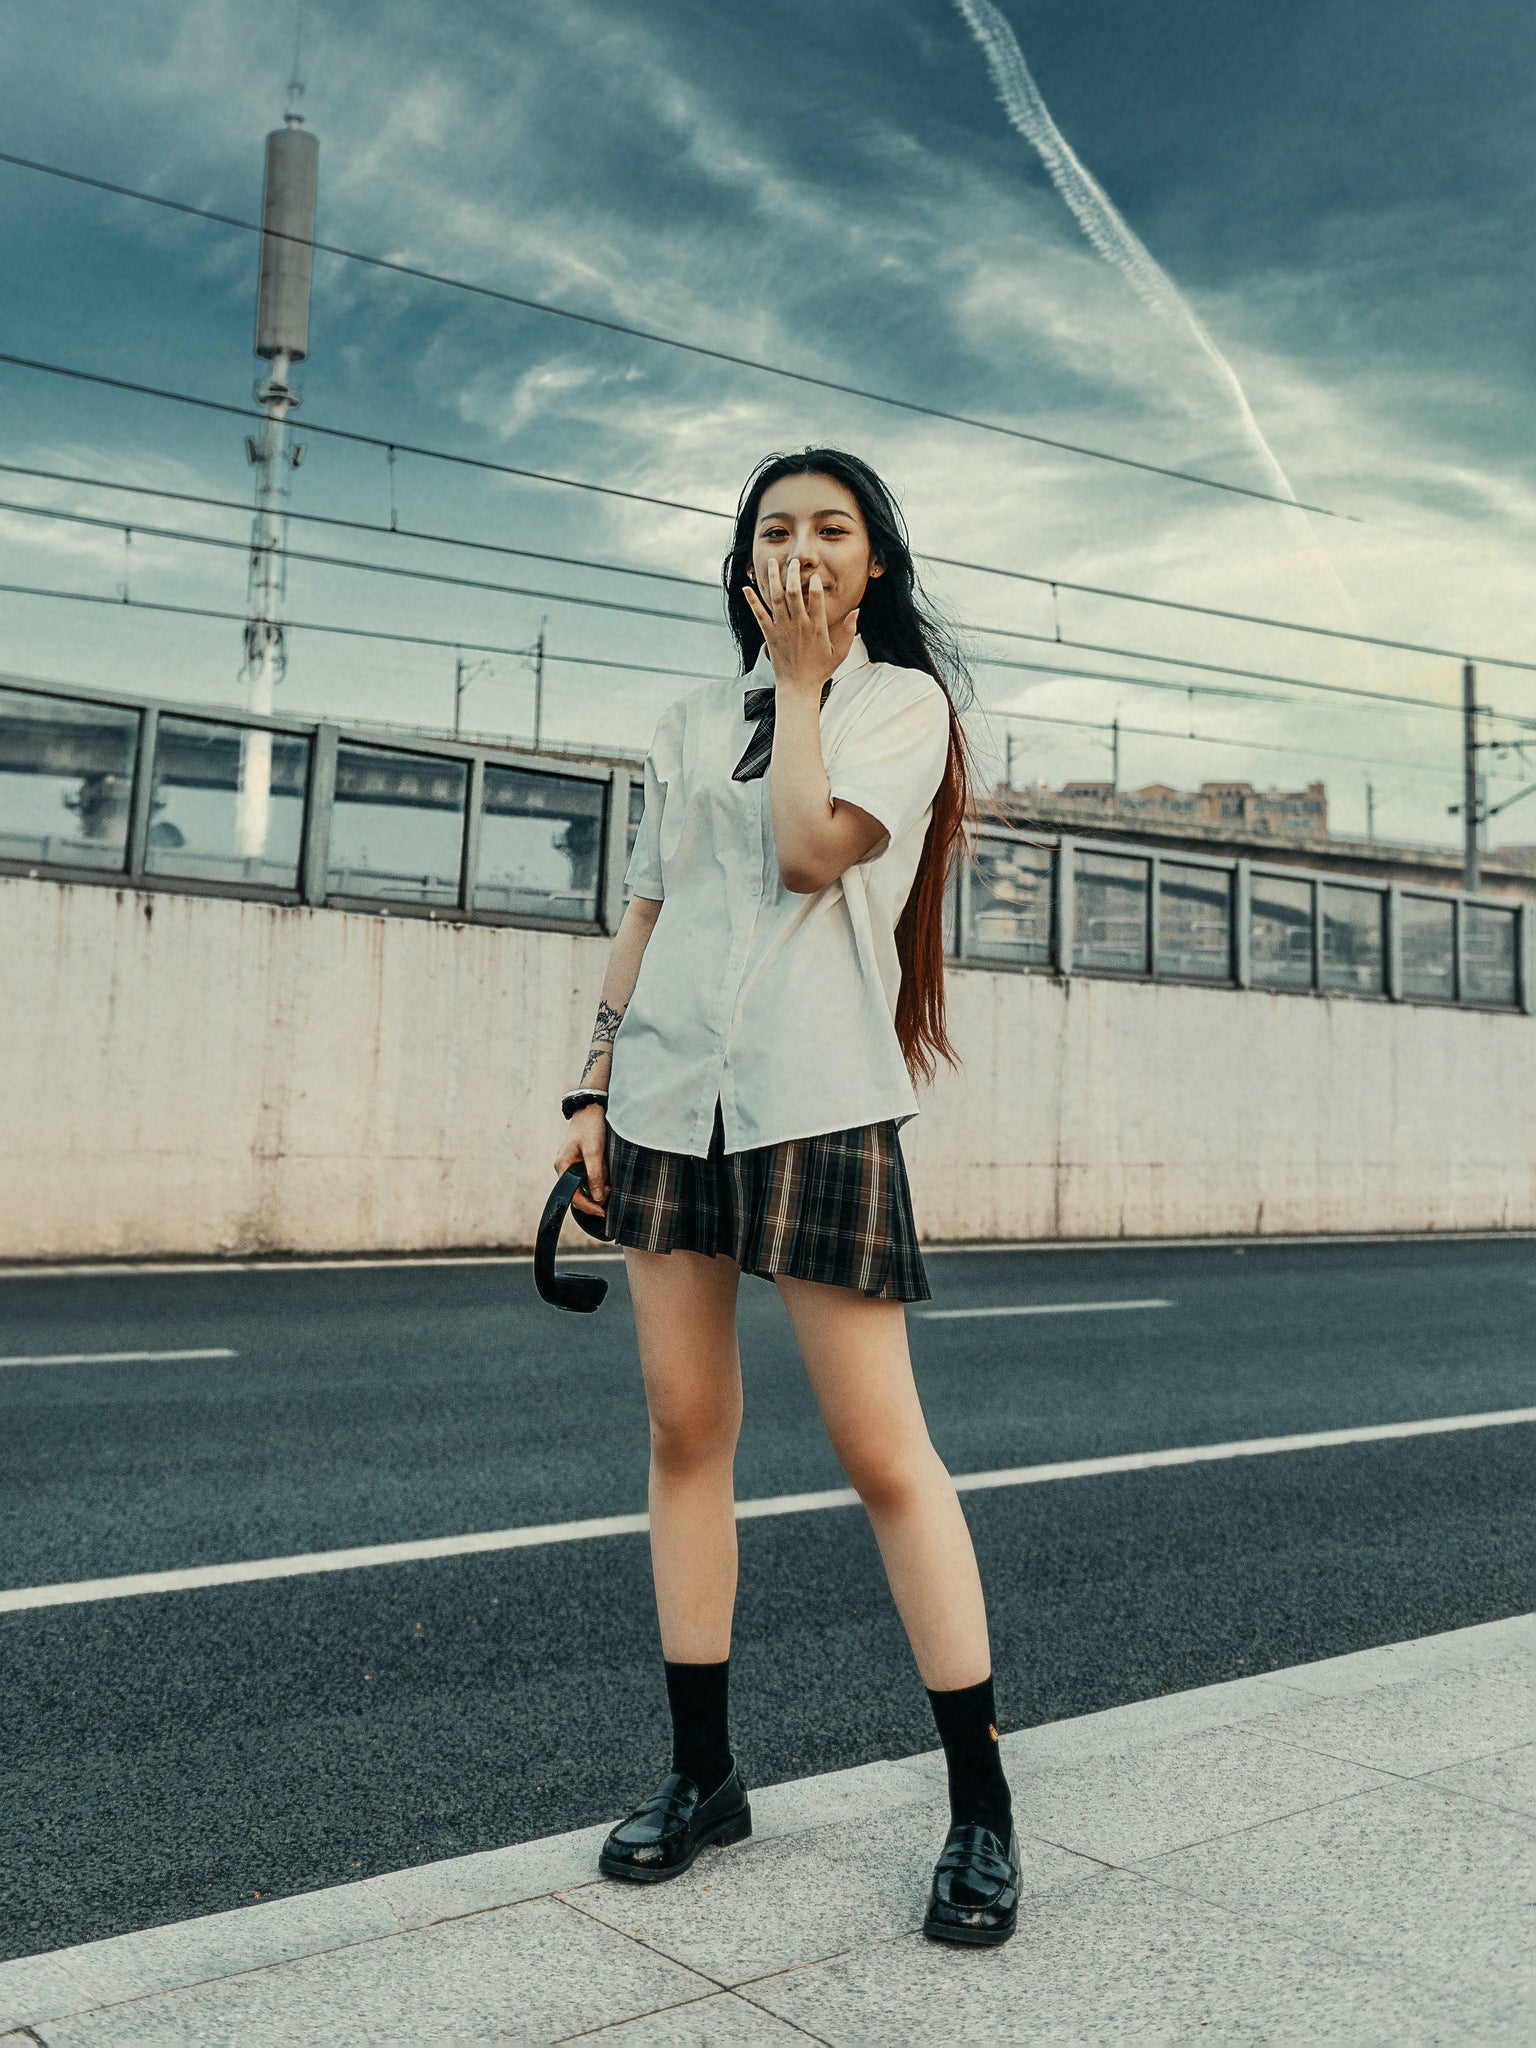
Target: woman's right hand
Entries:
(588, 1146)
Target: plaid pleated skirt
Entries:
(836, 1207)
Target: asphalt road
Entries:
(182, 1752)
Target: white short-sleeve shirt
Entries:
(780, 1005)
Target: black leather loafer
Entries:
(975, 1896)
(663, 1836)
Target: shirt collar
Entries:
(761, 674)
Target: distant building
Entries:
(1281, 813)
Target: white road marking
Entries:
(86, 1269)
(537, 1536)
(1039, 1308)
(113, 1357)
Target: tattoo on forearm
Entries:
(604, 1032)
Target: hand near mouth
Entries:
(794, 628)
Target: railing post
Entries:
(1064, 904)
(1525, 963)
(964, 874)
(319, 799)
(141, 797)
(1154, 913)
(1316, 886)
(611, 909)
(469, 868)
(1392, 964)
(1242, 924)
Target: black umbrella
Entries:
(582, 1292)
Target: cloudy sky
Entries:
(1342, 196)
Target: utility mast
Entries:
(1471, 792)
(282, 339)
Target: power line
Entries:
(518, 590)
(194, 611)
(244, 412)
(1029, 576)
(396, 532)
(647, 668)
(199, 611)
(395, 447)
(486, 291)
(100, 520)
(1225, 669)
(1212, 739)
(209, 540)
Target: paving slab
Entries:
(1109, 1961)
(531, 1973)
(1404, 1876)
(724, 2021)
(1341, 1852)
(1359, 1670)
(1507, 1780)
(1424, 1723)
(1122, 1806)
(807, 1896)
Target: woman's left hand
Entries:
(794, 628)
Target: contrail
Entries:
(1095, 211)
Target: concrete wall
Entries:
(189, 1074)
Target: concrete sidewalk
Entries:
(1340, 1852)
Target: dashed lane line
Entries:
(538, 1536)
(1037, 1308)
(114, 1357)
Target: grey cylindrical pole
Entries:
(1469, 863)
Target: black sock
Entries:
(701, 1747)
(978, 1791)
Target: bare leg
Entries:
(685, 1320)
(855, 1352)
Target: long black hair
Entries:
(898, 626)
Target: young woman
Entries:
(776, 980)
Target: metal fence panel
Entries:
(397, 825)
(1008, 906)
(541, 844)
(1354, 938)
(1490, 955)
(1428, 945)
(1281, 931)
(66, 781)
(1112, 928)
(195, 814)
(1194, 922)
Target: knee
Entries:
(890, 1480)
(691, 1436)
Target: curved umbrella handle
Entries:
(582, 1292)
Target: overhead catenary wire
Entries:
(212, 540)
(388, 569)
(1034, 577)
(122, 602)
(181, 536)
(392, 447)
(1210, 739)
(495, 292)
(649, 668)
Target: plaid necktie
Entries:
(759, 705)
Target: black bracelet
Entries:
(578, 1098)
